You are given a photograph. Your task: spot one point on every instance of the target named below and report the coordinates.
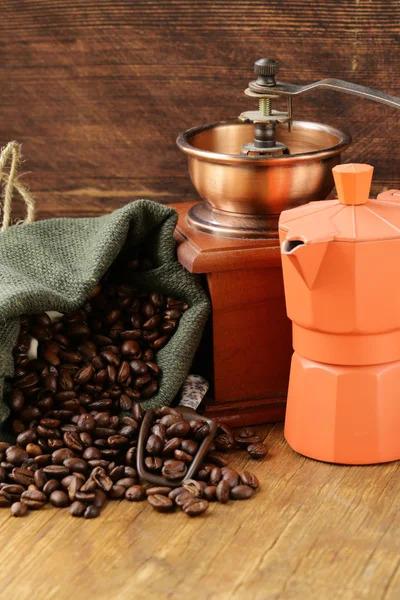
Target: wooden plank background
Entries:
(97, 90)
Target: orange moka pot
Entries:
(341, 269)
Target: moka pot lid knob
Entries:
(353, 183)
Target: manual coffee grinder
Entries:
(247, 171)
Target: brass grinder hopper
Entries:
(248, 170)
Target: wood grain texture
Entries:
(251, 338)
(97, 91)
(314, 531)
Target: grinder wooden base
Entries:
(246, 352)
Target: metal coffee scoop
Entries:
(193, 391)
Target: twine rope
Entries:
(12, 153)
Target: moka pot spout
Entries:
(306, 256)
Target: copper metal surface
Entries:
(239, 191)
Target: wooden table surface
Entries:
(313, 531)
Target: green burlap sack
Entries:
(54, 264)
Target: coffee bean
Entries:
(58, 456)
(46, 432)
(244, 432)
(160, 503)
(130, 472)
(249, 479)
(76, 465)
(86, 439)
(117, 473)
(104, 432)
(142, 381)
(123, 372)
(12, 492)
(154, 444)
(19, 509)
(5, 500)
(39, 479)
(33, 499)
(125, 402)
(56, 471)
(51, 444)
(217, 459)
(204, 472)
(195, 507)
(102, 480)
(257, 451)
(230, 476)
(86, 423)
(183, 497)
(22, 476)
(65, 481)
(50, 423)
(27, 437)
(241, 492)
(179, 429)
(50, 486)
(224, 442)
(127, 482)
(29, 380)
(77, 509)
(59, 499)
(16, 456)
(244, 442)
(85, 497)
(111, 358)
(222, 492)
(116, 492)
(210, 493)
(137, 412)
(170, 419)
(74, 486)
(181, 455)
(135, 493)
(173, 469)
(73, 441)
(91, 453)
(175, 492)
(215, 476)
(90, 484)
(163, 490)
(17, 400)
(194, 487)
(18, 426)
(170, 446)
(100, 498)
(160, 430)
(138, 367)
(91, 512)
(190, 446)
(116, 441)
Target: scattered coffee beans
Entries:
(76, 411)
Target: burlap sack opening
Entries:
(54, 264)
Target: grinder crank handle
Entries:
(338, 85)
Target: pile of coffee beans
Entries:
(171, 447)
(76, 413)
(80, 461)
(100, 357)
